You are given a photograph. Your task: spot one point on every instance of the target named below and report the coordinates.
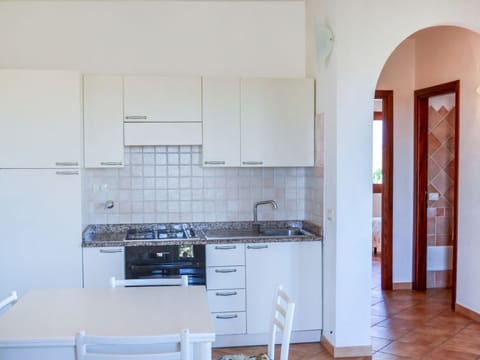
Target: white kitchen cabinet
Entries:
(162, 99)
(40, 246)
(277, 125)
(295, 265)
(226, 287)
(140, 134)
(40, 118)
(100, 264)
(103, 121)
(221, 122)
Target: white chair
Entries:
(175, 281)
(135, 347)
(9, 300)
(282, 320)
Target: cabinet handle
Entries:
(136, 117)
(66, 163)
(257, 247)
(65, 172)
(252, 162)
(214, 162)
(227, 316)
(225, 247)
(110, 251)
(232, 293)
(225, 271)
(110, 163)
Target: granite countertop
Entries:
(102, 235)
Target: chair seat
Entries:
(262, 356)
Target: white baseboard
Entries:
(262, 339)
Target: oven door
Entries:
(147, 262)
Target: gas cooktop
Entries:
(161, 232)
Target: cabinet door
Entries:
(221, 122)
(39, 119)
(298, 267)
(164, 99)
(40, 246)
(277, 122)
(100, 264)
(103, 120)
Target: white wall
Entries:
(264, 38)
(366, 33)
(398, 75)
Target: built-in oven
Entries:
(161, 260)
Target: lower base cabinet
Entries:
(241, 310)
(100, 264)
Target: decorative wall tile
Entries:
(441, 165)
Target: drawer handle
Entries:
(225, 271)
(66, 172)
(224, 317)
(136, 117)
(111, 163)
(225, 247)
(110, 251)
(257, 247)
(214, 162)
(66, 163)
(252, 162)
(232, 293)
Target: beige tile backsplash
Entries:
(168, 184)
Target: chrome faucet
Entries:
(265, 202)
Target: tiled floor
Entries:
(405, 325)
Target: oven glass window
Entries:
(185, 251)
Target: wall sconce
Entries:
(323, 40)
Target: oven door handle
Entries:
(162, 254)
(225, 271)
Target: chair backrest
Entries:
(136, 347)
(9, 300)
(173, 281)
(282, 319)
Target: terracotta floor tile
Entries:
(388, 333)
(461, 345)
(379, 343)
(384, 356)
(442, 354)
(422, 338)
(412, 350)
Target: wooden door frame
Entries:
(421, 183)
(387, 188)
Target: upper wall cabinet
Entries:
(258, 122)
(40, 119)
(162, 111)
(221, 122)
(277, 122)
(103, 121)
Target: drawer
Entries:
(228, 323)
(226, 300)
(225, 254)
(226, 277)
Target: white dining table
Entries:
(43, 324)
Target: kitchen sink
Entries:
(254, 232)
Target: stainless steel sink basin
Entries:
(254, 232)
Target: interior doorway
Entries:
(436, 187)
(383, 186)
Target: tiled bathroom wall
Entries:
(441, 143)
(168, 184)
